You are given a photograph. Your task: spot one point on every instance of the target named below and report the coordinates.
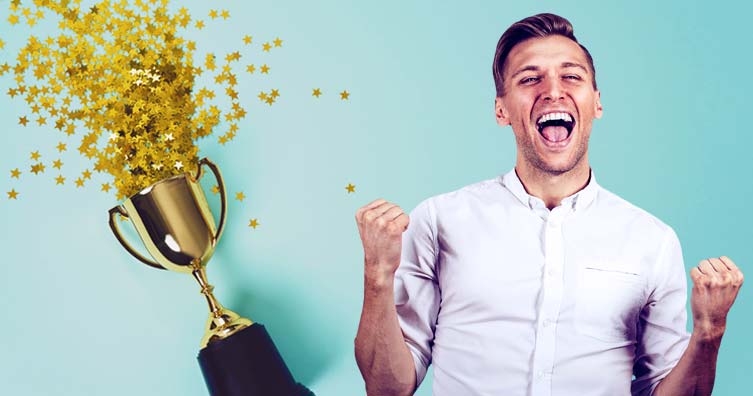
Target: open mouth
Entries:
(555, 127)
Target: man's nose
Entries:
(553, 89)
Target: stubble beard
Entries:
(538, 163)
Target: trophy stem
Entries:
(200, 275)
(222, 322)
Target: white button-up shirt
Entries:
(505, 297)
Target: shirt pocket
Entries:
(608, 301)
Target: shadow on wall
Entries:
(304, 337)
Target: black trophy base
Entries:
(248, 364)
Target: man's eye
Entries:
(572, 77)
(529, 80)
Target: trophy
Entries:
(174, 222)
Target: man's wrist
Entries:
(708, 332)
(376, 280)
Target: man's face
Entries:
(550, 102)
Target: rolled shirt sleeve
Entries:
(416, 288)
(662, 333)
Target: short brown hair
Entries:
(541, 25)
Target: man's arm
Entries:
(716, 283)
(385, 362)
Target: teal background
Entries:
(78, 316)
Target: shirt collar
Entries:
(580, 200)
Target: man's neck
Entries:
(552, 188)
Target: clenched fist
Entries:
(716, 282)
(381, 225)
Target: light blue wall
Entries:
(81, 317)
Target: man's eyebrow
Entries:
(536, 68)
(573, 64)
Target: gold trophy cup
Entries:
(175, 224)
(173, 220)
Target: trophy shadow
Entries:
(301, 345)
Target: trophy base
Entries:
(248, 364)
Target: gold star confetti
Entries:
(12, 194)
(119, 76)
(265, 69)
(266, 47)
(277, 42)
(2, 44)
(15, 173)
(106, 187)
(351, 188)
(215, 189)
(344, 95)
(251, 69)
(316, 92)
(240, 196)
(253, 223)
(59, 180)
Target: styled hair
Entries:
(541, 25)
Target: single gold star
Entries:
(278, 42)
(240, 196)
(213, 14)
(61, 147)
(86, 174)
(106, 187)
(251, 69)
(23, 120)
(215, 189)
(15, 173)
(57, 164)
(199, 24)
(264, 69)
(253, 223)
(225, 14)
(35, 155)
(59, 180)
(316, 92)
(266, 47)
(79, 182)
(247, 39)
(351, 188)
(2, 44)
(275, 93)
(344, 95)
(12, 194)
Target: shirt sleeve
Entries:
(416, 286)
(662, 333)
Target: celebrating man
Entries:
(540, 281)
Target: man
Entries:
(539, 282)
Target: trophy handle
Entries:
(221, 184)
(118, 210)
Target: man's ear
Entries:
(500, 112)
(598, 110)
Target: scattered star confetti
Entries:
(350, 188)
(15, 173)
(105, 187)
(61, 147)
(12, 194)
(79, 182)
(316, 92)
(266, 47)
(57, 164)
(277, 42)
(344, 95)
(247, 39)
(215, 189)
(253, 223)
(265, 69)
(59, 180)
(240, 196)
(35, 155)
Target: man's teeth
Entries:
(555, 116)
